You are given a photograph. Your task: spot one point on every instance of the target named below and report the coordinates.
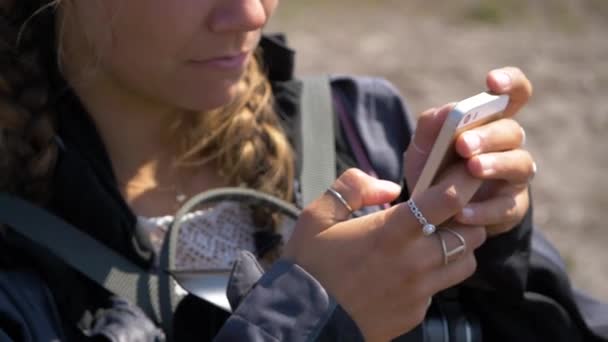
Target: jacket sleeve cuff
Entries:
(504, 260)
(287, 304)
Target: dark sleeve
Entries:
(27, 310)
(380, 119)
(521, 291)
(503, 262)
(517, 293)
(287, 304)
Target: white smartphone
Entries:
(467, 114)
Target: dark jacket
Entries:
(516, 296)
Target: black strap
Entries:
(154, 293)
(83, 253)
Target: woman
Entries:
(116, 111)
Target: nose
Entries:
(239, 16)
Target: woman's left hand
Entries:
(493, 152)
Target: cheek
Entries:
(148, 35)
(149, 48)
(172, 84)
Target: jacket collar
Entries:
(279, 59)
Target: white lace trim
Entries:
(210, 238)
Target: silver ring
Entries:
(459, 250)
(427, 227)
(340, 198)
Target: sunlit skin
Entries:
(134, 63)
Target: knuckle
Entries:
(351, 178)
(427, 113)
(517, 73)
(452, 199)
(427, 116)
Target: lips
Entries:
(231, 61)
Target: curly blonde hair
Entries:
(245, 141)
(244, 138)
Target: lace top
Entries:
(210, 238)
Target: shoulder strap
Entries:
(317, 134)
(374, 111)
(153, 292)
(85, 254)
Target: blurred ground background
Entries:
(439, 51)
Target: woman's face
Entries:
(188, 54)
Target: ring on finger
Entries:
(427, 227)
(341, 199)
(448, 255)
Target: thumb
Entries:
(354, 189)
(427, 129)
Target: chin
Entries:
(208, 100)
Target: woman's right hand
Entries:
(381, 268)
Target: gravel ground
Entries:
(434, 61)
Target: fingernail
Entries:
(523, 137)
(473, 141)
(389, 186)
(467, 213)
(503, 79)
(487, 163)
(534, 171)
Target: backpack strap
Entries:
(318, 142)
(153, 292)
(83, 253)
